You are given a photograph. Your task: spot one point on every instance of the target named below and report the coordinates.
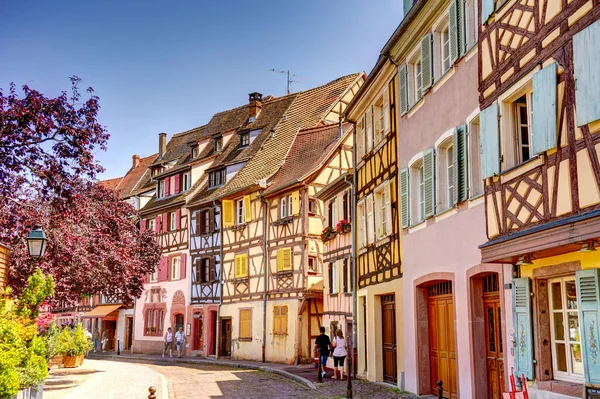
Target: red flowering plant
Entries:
(343, 226)
(327, 234)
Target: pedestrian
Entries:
(168, 343)
(180, 340)
(95, 337)
(339, 353)
(105, 338)
(89, 336)
(322, 344)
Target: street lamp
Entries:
(36, 242)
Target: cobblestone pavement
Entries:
(191, 381)
(102, 379)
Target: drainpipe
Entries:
(220, 282)
(265, 263)
(353, 224)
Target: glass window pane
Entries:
(576, 361)
(561, 357)
(559, 328)
(573, 319)
(571, 292)
(491, 330)
(556, 295)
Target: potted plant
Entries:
(50, 337)
(327, 234)
(73, 345)
(343, 226)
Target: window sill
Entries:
(245, 339)
(476, 201)
(446, 213)
(280, 334)
(285, 220)
(415, 107)
(443, 79)
(284, 273)
(526, 166)
(152, 334)
(239, 227)
(416, 227)
(238, 280)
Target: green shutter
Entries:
(487, 9)
(404, 198)
(403, 92)
(407, 6)
(459, 145)
(586, 61)
(426, 63)
(490, 141)
(544, 109)
(522, 327)
(588, 304)
(460, 24)
(453, 31)
(429, 181)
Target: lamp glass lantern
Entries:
(36, 242)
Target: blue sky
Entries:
(167, 66)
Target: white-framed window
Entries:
(565, 335)
(313, 264)
(205, 221)
(172, 221)
(333, 277)
(150, 224)
(379, 120)
(445, 175)
(383, 214)
(414, 77)
(474, 163)
(522, 117)
(417, 192)
(154, 276)
(239, 211)
(441, 48)
(175, 268)
(161, 188)
(218, 144)
(370, 219)
(285, 208)
(362, 222)
(470, 11)
(217, 178)
(515, 128)
(185, 181)
(195, 151)
(360, 139)
(332, 213)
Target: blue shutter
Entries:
(404, 198)
(407, 6)
(487, 9)
(454, 31)
(586, 60)
(490, 141)
(403, 89)
(544, 109)
(522, 326)
(588, 304)
(429, 181)
(426, 63)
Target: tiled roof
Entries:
(136, 179)
(310, 149)
(307, 110)
(177, 147)
(111, 184)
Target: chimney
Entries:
(162, 144)
(254, 105)
(136, 161)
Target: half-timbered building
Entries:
(248, 314)
(539, 87)
(378, 264)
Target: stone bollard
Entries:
(440, 389)
(152, 391)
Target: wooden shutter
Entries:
(247, 209)
(163, 269)
(387, 198)
(360, 139)
(295, 203)
(330, 278)
(228, 214)
(369, 129)
(198, 222)
(460, 154)
(211, 220)
(544, 109)
(490, 141)
(236, 272)
(244, 265)
(403, 89)
(276, 319)
(426, 63)
(370, 219)
(212, 276)
(183, 266)
(487, 9)
(167, 181)
(386, 109)
(284, 259)
(588, 304)
(522, 326)
(166, 222)
(586, 61)
(245, 323)
(178, 219)
(404, 198)
(429, 181)
(177, 181)
(143, 225)
(460, 24)
(157, 224)
(453, 31)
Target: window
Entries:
(414, 81)
(475, 180)
(370, 226)
(470, 35)
(361, 223)
(154, 276)
(333, 289)
(347, 278)
(153, 322)
(205, 276)
(312, 264)
(241, 266)
(244, 139)
(284, 259)
(161, 188)
(195, 151)
(445, 49)
(245, 324)
(383, 215)
(522, 117)
(150, 224)
(379, 120)
(239, 211)
(205, 219)
(312, 206)
(218, 144)
(445, 175)
(331, 213)
(175, 268)
(216, 178)
(564, 327)
(417, 192)
(346, 206)
(280, 320)
(360, 139)
(286, 206)
(185, 182)
(172, 221)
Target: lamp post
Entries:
(36, 243)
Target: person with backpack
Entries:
(339, 353)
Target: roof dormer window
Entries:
(195, 151)
(244, 139)
(218, 144)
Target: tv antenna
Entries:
(290, 77)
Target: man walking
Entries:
(180, 341)
(168, 343)
(322, 344)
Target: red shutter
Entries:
(163, 269)
(177, 184)
(183, 266)
(157, 225)
(178, 219)
(142, 225)
(166, 222)
(167, 186)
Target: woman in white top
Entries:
(339, 353)
(168, 343)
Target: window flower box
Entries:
(328, 234)
(343, 227)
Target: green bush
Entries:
(73, 343)
(50, 337)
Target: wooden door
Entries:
(226, 337)
(178, 322)
(199, 341)
(442, 352)
(388, 312)
(493, 336)
(128, 332)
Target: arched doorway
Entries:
(178, 321)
